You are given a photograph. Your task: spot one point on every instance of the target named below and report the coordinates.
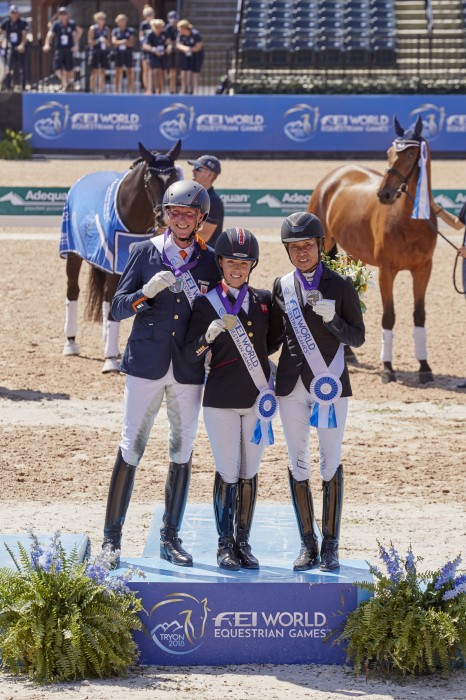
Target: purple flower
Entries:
(410, 562)
(454, 592)
(447, 573)
(391, 560)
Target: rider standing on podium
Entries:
(232, 322)
(315, 312)
(162, 278)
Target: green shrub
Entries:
(62, 620)
(14, 145)
(414, 624)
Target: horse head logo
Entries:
(178, 121)
(51, 120)
(180, 623)
(302, 124)
(433, 119)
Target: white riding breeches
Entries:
(142, 401)
(230, 431)
(295, 414)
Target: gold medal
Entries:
(229, 321)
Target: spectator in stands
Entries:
(189, 45)
(206, 169)
(171, 30)
(63, 36)
(98, 38)
(156, 47)
(144, 29)
(123, 41)
(15, 29)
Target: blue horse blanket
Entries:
(91, 226)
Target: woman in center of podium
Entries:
(239, 403)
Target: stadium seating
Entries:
(318, 33)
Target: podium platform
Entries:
(203, 615)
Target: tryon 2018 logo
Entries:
(179, 623)
(51, 120)
(433, 119)
(178, 121)
(302, 122)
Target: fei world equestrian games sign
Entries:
(49, 201)
(241, 123)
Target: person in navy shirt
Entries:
(15, 29)
(191, 49)
(206, 169)
(145, 29)
(156, 47)
(98, 38)
(63, 35)
(123, 41)
(160, 303)
(171, 30)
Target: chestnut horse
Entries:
(138, 203)
(369, 215)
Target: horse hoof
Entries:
(388, 376)
(111, 364)
(425, 377)
(70, 348)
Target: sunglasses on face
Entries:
(199, 167)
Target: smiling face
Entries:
(235, 272)
(304, 254)
(183, 222)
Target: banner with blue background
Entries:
(305, 123)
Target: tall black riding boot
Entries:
(225, 511)
(304, 511)
(176, 495)
(119, 495)
(247, 495)
(331, 519)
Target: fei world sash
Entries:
(325, 388)
(185, 282)
(266, 403)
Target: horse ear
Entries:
(418, 127)
(399, 131)
(144, 153)
(174, 152)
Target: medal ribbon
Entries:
(312, 354)
(190, 288)
(315, 280)
(222, 292)
(178, 271)
(249, 356)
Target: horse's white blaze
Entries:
(164, 178)
(386, 354)
(420, 342)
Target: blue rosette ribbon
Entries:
(325, 390)
(266, 407)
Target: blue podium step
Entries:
(69, 542)
(203, 615)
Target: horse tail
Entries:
(95, 295)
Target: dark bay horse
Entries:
(105, 214)
(369, 215)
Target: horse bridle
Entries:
(161, 174)
(404, 179)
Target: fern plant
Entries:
(14, 145)
(62, 620)
(414, 624)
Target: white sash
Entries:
(266, 403)
(190, 287)
(326, 386)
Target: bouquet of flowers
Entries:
(415, 623)
(61, 619)
(361, 277)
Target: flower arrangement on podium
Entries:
(61, 619)
(361, 277)
(415, 623)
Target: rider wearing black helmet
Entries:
(162, 278)
(315, 312)
(232, 322)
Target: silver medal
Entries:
(313, 296)
(177, 286)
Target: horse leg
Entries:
(386, 279)
(73, 266)
(112, 351)
(421, 276)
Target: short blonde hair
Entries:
(184, 24)
(148, 10)
(119, 18)
(157, 23)
(100, 15)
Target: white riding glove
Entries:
(216, 327)
(325, 308)
(160, 281)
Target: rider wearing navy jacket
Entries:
(158, 286)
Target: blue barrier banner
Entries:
(327, 123)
